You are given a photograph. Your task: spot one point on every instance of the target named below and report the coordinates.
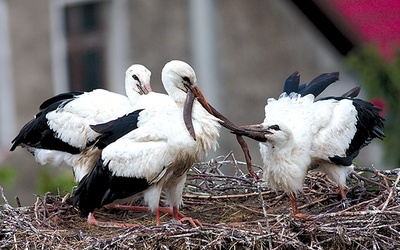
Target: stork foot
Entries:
(300, 216)
(93, 221)
(180, 218)
(345, 201)
(193, 222)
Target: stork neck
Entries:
(131, 93)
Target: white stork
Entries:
(165, 140)
(305, 133)
(60, 133)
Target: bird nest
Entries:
(235, 211)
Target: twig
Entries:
(18, 201)
(391, 192)
(369, 180)
(360, 204)
(265, 215)
(357, 213)
(228, 196)
(247, 156)
(314, 202)
(9, 207)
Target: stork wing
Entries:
(336, 131)
(71, 122)
(115, 129)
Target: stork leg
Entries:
(345, 201)
(158, 222)
(141, 208)
(178, 216)
(293, 203)
(341, 191)
(93, 221)
(181, 218)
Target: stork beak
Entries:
(142, 90)
(192, 93)
(187, 113)
(200, 97)
(148, 88)
(255, 127)
(257, 132)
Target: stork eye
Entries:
(274, 127)
(186, 79)
(135, 78)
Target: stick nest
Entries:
(236, 213)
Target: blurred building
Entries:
(242, 52)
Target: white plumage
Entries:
(156, 155)
(309, 132)
(60, 133)
(305, 133)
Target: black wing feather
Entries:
(37, 133)
(292, 83)
(352, 93)
(101, 187)
(60, 97)
(369, 126)
(319, 84)
(115, 129)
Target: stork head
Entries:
(177, 77)
(180, 82)
(278, 135)
(137, 79)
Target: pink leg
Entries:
(174, 213)
(181, 218)
(345, 202)
(158, 216)
(341, 191)
(293, 203)
(140, 208)
(92, 221)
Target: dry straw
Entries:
(236, 213)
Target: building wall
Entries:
(31, 68)
(31, 50)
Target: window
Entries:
(85, 42)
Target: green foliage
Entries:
(8, 177)
(381, 80)
(50, 180)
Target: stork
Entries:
(156, 154)
(60, 133)
(303, 133)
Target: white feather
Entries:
(161, 150)
(310, 132)
(72, 121)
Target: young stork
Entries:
(60, 133)
(155, 156)
(305, 133)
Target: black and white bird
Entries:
(304, 133)
(163, 143)
(60, 133)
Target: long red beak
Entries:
(193, 93)
(187, 113)
(200, 97)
